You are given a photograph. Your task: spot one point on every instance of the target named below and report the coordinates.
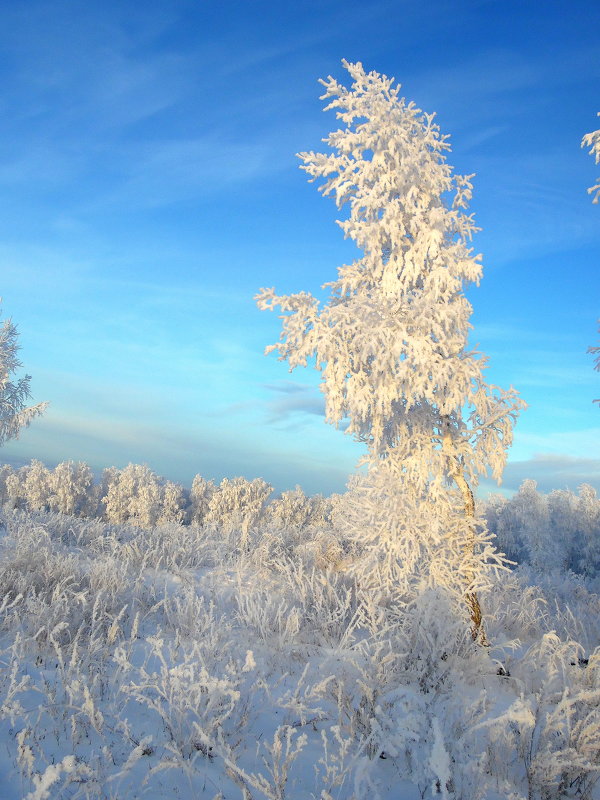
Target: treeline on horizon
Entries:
(558, 531)
(138, 496)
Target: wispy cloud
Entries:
(579, 443)
(553, 471)
(176, 452)
(166, 172)
(292, 399)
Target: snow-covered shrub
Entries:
(170, 546)
(435, 639)
(190, 703)
(133, 495)
(5, 471)
(503, 524)
(547, 742)
(172, 503)
(14, 489)
(273, 618)
(36, 486)
(431, 738)
(515, 609)
(588, 519)
(32, 562)
(555, 532)
(237, 508)
(72, 489)
(200, 497)
(530, 513)
(564, 530)
(297, 511)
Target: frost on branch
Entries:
(592, 140)
(392, 340)
(14, 413)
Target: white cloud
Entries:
(293, 399)
(583, 443)
(553, 471)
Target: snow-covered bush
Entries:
(548, 740)
(295, 510)
(237, 507)
(72, 489)
(172, 503)
(15, 488)
(200, 496)
(36, 486)
(133, 495)
(554, 532)
(587, 537)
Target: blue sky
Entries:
(149, 188)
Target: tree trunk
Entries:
(477, 629)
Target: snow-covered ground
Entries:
(168, 663)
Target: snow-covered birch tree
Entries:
(14, 412)
(391, 343)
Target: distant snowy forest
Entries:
(559, 531)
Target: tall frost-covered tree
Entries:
(14, 411)
(391, 344)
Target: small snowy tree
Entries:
(592, 140)
(14, 412)
(36, 486)
(292, 510)
(237, 507)
(391, 342)
(5, 472)
(588, 522)
(108, 483)
(133, 494)
(14, 488)
(200, 497)
(72, 489)
(172, 503)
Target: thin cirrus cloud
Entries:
(293, 400)
(553, 471)
(167, 172)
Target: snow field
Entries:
(168, 663)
